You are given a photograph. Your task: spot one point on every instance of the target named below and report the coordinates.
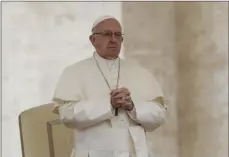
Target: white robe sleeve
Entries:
(150, 115)
(74, 109)
(149, 108)
(84, 114)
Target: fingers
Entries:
(114, 103)
(127, 103)
(128, 106)
(120, 90)
(120, 102)
(115, 91)
(122, 95)
(127, 98)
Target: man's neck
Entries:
(108, 57)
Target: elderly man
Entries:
(109, 102)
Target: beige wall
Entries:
(186, 46)
(202, 48)
(150, 39)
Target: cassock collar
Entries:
(102, 60)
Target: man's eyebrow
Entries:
(111, 31)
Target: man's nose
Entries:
(113, 38)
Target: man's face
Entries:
(107, 38)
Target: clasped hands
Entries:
(121, 98)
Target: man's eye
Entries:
(107, 34)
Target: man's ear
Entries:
(92, 39)
(122, 39)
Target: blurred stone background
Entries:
(185, 45)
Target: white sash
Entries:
(130, 140)
(139, 140)
(105, 139)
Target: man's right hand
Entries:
(116, 103)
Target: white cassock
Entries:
(84, 100)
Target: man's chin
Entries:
(113, 54)
(113, 50)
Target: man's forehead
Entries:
(109, 23)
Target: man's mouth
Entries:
(112, 47)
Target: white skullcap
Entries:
(102, 18)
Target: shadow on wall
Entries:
(185, 45)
